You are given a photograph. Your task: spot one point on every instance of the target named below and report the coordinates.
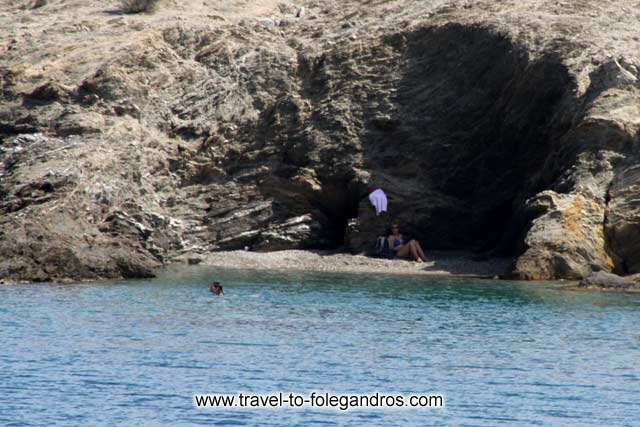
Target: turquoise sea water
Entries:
(134, 353)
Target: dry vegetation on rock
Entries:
(139, 6)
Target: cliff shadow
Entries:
(470, 123)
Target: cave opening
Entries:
(464, 141)
(458, 125)
(339, 202)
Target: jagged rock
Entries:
(622, 225)
(601, 279)
(120, 223)
(127, 108)
(186, 135)
(48, 92)
(36, 192)
(102, 193)
(80, 123)
(298, 232)
(566, 241)
(43, 260)
(133, 270)
(109, 83)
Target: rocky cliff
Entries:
(502, 127)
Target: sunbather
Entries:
(411, 249)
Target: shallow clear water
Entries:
(133, 353)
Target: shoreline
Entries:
(443, 264)
(440, 264)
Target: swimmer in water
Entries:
(216, 289)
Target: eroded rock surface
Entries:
(506, 128)
(612, 281)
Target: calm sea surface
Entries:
(134, 353)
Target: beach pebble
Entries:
(267, 22)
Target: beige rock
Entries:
(178, 134)
(622, 225)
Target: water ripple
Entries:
(129, 353)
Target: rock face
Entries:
(622, 225)
(605, 280)
(133, 141)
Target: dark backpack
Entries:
(382, 248)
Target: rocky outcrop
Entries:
(571, 234)
(488, 128)
(622, 225)
(604, 280)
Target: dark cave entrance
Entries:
(476, 121)
(465, 142)
(339, 201)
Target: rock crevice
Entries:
(487, 134)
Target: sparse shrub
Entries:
(38, 3)
(138, 6)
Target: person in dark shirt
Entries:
(216, 289)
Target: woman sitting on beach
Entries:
(411, 249)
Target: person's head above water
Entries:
(216, 289)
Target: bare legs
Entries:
(412, 250)
(420, 254)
